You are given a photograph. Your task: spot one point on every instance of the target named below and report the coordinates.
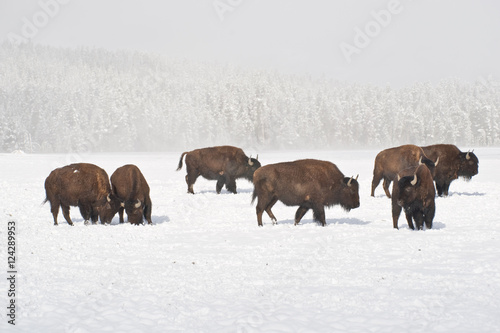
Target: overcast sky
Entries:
(380, 42)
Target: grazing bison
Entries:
(130, 192)
(390, 161)
(414, 191)
(224, 164)
(309, 184)
(81, 184)
(452, 164)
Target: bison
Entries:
(309, 184)
(414, 191)
(390, 161)
(224, 164)
(130, 192)
(452, 164)
(82, 184)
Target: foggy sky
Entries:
(380, 42)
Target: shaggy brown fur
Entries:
(81, 184)
(224, 164)
(130, 193)
(390, 161)
(452, 164)
(309, 184)
(414, 192)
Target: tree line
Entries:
(86, 99)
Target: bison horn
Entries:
(250, 161)
(349, 182)
(437, 162)
(399, 177)
(420, 161)
(108, 198)
(467, 156)
(414, 181)
(137, 204)
(357, 177)
(122, 204)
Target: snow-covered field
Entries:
(205, 265)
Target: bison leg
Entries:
(419, 220)
(259, 211)
(120, 214)
(147, 213)
(269, 212)
(385, 185)
(231, 184)
(220, 184)
(439, 188)
(396, 211)
(86, 212)
(446, 187)
(65, 211)
(409, 220)
(319, 214)
(94, 215)
(264, 203)
(377, 177)
(429, 216)
(300, 213)
(190, 180)
(55, 211)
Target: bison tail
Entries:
(44, 201)
(254, 195)
(180, 161)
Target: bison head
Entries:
(134, 210)
(407, 190)
(349, 193)
(252, 165)
(469, 165)
(109, 209)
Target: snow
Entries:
(205, 265)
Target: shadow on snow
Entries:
(224, 191)
(474, 194)
(116, 221)
(435, 226)
(347, 220)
